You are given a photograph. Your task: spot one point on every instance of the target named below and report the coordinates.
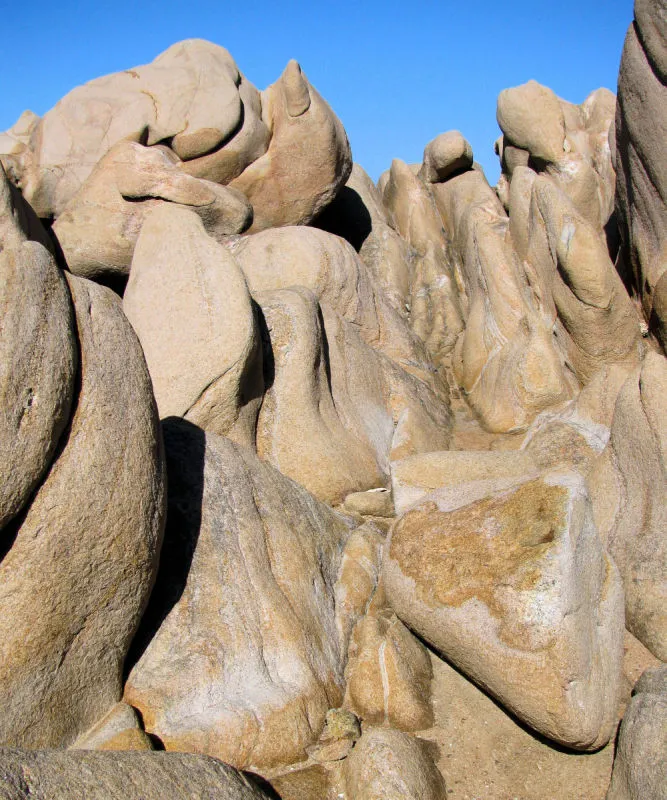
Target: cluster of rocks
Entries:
(295, 467)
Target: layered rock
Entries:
(242, 653)
(516, 590)
(188, 302)
(80, 562)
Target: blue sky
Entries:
(396, 73)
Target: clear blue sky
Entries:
(397, 73)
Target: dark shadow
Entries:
(268, 361)
(532, 733)
(347, 217)
(185, 446)
(157, 743)
(325, 348)
(613, 238)
(262, 784)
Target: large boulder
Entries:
(38, 357)
(240, 654)
(390, 765)
(192, 96)
(81, 561)
(516, 591)
(98, 229)
(188, 301)
(641, 187)
(55, 775)
(640, 765)
(308, 158)
(627, 485)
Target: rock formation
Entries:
(354, 486)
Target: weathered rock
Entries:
(308, 158)
(641, 129)
(341, 730)
(242, 653)
(516, 591)
(373, 503)
(531, 118)
(388, 675)
(627, 486)
(38, 359)
(118, 730)
(446, 154)
(640, 766)
(391, 765)
(188, 301)
(414, 477)
(81, 561)
(329, 267)
(98, 229)
(191, 95)
(336, 411)
(55, 775)
(358, 215)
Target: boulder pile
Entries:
(300, 472)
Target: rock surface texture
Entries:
(359, 487)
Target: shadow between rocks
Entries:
(185, 446)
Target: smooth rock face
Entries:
(81, 561)
(308, 158)
(188, 302)
(640, 766)
(38, 360)
(55, 775)
(242, 654)
(390, 765)
(445, 155)
(531, 118)
(516, 590)
(627, 485)
(98, 229)
(641, 186)
(192, 95)
(118, 730)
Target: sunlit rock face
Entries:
(353, 486)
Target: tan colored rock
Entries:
(239, 654)
(516, 591)
(414, 477)
(308, 158)
(38, 359)
(188, 301)
(336, 411)
(388, 675)
(358, 215)
(99, 227)
(627, 486)
(597, 322)
(118, 730)
(78, 571)
(530, 116)
(641, 188)
(374, 503)
(391, 765)
(640, 766)
(192, 95)
(56, 775)
(446, 154)
(341, 730)
(329, 267)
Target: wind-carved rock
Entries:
(188, 301)
(80, 562)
